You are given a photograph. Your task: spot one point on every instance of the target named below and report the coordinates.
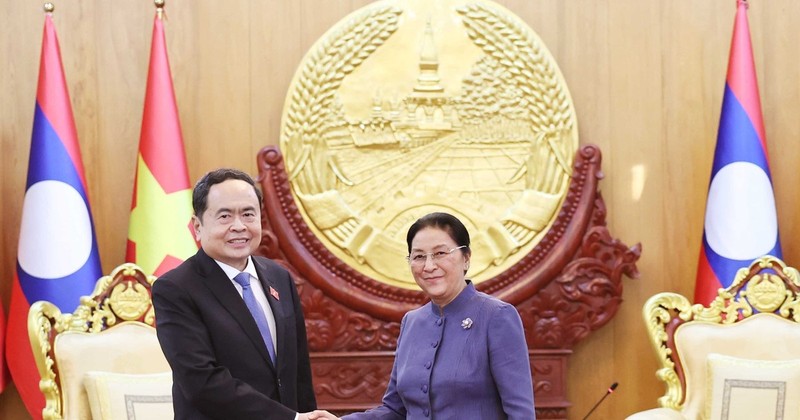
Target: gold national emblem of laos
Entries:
(409, 107)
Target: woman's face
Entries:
(440, 273)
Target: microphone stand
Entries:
(608, 392)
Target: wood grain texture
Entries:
(646, 77)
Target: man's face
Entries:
(230, 228)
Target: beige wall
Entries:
(646, 77)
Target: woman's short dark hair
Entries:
(444, 221)
(217, 176)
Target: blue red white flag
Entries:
(57, 257)
(741, 223)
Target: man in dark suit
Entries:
(221, 334)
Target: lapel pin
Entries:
(466, 323)
(274, 293)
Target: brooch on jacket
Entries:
(466, 323)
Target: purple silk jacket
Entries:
(466, 361)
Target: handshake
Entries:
(317, 415)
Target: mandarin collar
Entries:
(460, 302)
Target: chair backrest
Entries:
(111, 331)
(756, 318)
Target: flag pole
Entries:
(49, 8)
(159, 8)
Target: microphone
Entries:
(608, 392)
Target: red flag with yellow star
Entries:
(160, 235)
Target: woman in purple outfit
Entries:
(462, 355)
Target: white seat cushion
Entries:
(117, 396)
(744, 389)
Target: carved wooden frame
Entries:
(569, 285)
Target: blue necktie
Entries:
(255, 309)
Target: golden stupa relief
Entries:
(408, 107)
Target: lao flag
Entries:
(57, 258)
(741, 222)
(160, 235)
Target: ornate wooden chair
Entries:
(739, 357)
(105, 356)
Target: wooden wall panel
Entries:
(646, 77)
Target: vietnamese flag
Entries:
(741, 222)
(57, 256)
(160, 235)
(4, 374)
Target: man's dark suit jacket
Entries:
(220, 365)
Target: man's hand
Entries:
(317, 415)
